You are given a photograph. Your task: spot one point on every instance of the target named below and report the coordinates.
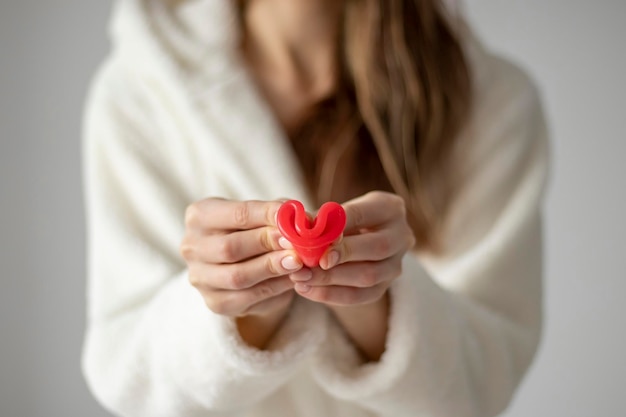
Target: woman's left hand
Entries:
(355, 273)
(359, 268)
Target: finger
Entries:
(236, 303)
(215, 213)
(232, 247)
(246, 274)
(342, 296)
(353, 274)
(271, 304)
(373, 209)
(370, 246)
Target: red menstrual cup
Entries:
(311, 238)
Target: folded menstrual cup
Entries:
(311, 238)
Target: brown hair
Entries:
(403, 95)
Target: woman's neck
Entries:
(295, 40)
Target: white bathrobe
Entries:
(173, 118)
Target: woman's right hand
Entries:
(235, 261)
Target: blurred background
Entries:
(573, 48)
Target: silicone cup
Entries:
(311, 238)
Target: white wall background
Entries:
(48, 50)
(574, 48)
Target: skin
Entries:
(355, 273)
(238, 262)
(292, 48)
(236, 257)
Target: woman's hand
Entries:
(355, 273)
(359, 268)
(236, 263)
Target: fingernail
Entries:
(302, 288)
(332, 259)
(284, 243)
(276, 217)
(290, 263)
(302, 275)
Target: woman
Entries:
(208, 112)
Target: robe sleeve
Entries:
(152, 347)
(464, 326)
